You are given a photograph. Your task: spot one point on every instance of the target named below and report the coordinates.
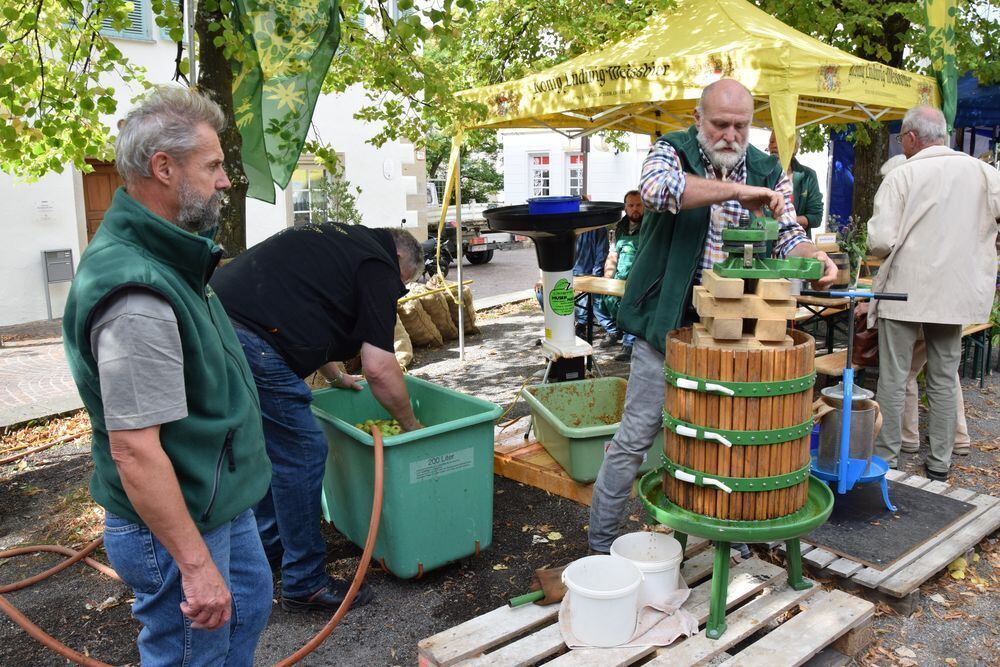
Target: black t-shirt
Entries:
(316, 293)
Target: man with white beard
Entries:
(695, 183)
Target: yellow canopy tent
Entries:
(650, 82)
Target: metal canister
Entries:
(864, 414)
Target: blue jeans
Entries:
(167, 637)
(601, 316)
(288, 516)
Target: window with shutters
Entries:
(139, 22)
(539, 165)
(574, 173)
(164, 33)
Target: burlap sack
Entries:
(470, 310)
(418, 324)
(403, 346)
(436, 306)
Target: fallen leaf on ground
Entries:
(554, 536)
(905, 652)
(500, 566)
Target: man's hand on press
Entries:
(829, 271)
(207, 600)
(755, 199)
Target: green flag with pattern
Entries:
(289, 47)
(941, 39)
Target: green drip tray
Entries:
(819, 504)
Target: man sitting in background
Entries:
(620, 259)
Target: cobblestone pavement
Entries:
(35, 382)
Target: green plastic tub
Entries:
(575, 420)
(437, 504)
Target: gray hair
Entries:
(163, 122)
(927, 123)
(409, 249)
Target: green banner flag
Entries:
(941, 39)
(275, 87)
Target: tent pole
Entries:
(458, 257)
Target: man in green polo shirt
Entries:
(693, 184)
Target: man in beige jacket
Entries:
(935, 225)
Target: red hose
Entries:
(56, 646)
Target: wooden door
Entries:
(98, 188)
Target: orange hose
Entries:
(34, 450)
(359, 576)
(76, 556)
(56, 646)
(45, 639)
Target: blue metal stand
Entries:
(852, 471)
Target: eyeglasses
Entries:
(899, 137)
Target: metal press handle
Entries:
(839, 294)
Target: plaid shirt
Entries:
(662, 184)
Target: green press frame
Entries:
(722, 533)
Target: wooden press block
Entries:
(702, 338)
(770, 330)
(749, 306)
(769, 288)
(723, 288)
(724, 328)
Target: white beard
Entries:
(721, 159)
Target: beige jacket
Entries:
(935, 225)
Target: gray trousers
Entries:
(895, 351)
(642, 419)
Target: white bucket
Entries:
(603, 594)
(658, 557)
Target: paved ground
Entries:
(35, 382)
(508, 271)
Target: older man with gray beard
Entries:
(178, 444)
(695, 183)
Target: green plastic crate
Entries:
(437, 502)
(574, 420)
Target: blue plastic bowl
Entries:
(549, 205)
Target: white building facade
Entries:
(540, 162)
(60, 212)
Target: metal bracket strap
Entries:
(729, 438)
(740, 389)
(740, 484)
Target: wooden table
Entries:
(588, 286)
(832, 312)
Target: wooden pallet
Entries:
(904, 577)
(530, 634)
(527, 462)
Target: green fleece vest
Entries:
(217, 451)
(671, 247)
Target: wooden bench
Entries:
(977, 339)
